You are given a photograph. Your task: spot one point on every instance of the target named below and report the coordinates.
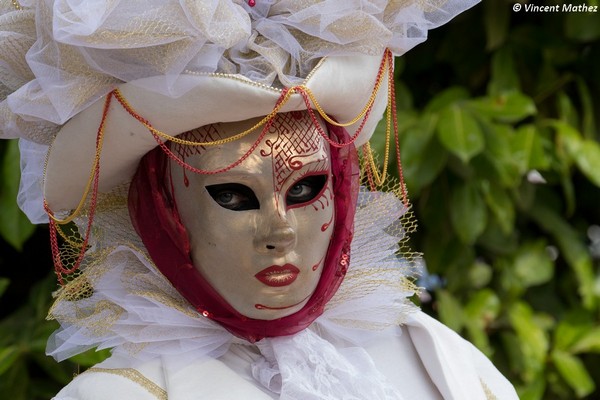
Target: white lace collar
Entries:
(135, 311)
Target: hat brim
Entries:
(341, 85)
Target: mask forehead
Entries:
(297, 142)
(291, 142)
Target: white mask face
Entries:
(260, 231)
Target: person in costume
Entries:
(211, 221)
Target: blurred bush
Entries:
(499, 141)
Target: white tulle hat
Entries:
(182, 64)
(341, 86)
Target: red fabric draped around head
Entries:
(156, 220)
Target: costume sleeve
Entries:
(111, 384)
(457, 368)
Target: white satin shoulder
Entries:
(370, 343)
(427, 361)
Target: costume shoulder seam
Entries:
(134, 376)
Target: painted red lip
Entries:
(277, 276)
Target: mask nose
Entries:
(275, 234)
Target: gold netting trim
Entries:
(134, 376)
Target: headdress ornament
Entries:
(100, 83)
(231, 59)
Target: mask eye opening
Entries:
(306, 190)
(233, 196)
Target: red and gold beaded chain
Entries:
(375, 178)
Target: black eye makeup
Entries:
(238, 197)
(233, 196)
(305, 190)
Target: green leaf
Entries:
(4, 282)
(534, 390)
(61, 373)
(574, 373)
(568, 187)
(422, 156)
(480, 274)
(585, 153)
(573, 250)
(533, 341)
(450, 310)
(581, 26)
(468, 212)
(15, 383)
(480, 312)
(406, 119)
(484, 306)
(501, 205)
(588, 111)
(91, 357)
(589, 342)
(495, 240)
(510, 107)
(8, 356)
(499, 152)
(566, 110)
(509, 281)
(404, 100)
(533, 265)
(460, 133)
(15, 228)
(568, 138)
(588, 160)
(504, 75)
(528, 151)
(446, 98)
(574, 326)
(496, 17)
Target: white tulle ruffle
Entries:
(64, 55)
(135, 311)
(30, 197)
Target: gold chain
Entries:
(379, 178)
(177, 140)
(271, 115)
(86, 191)
(301, 88)
(324, 115)
(16, 4)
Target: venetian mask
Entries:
(255, 232)
(259, 231)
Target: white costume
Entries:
(190, 64)
(369, 344)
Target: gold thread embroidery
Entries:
(488, 392)
(16, 5)
(134, 376)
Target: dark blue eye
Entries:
(305, 189)
(233, 196)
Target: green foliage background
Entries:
(500, 145)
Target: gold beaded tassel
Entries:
(375, 178)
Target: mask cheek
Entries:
(315, 228)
